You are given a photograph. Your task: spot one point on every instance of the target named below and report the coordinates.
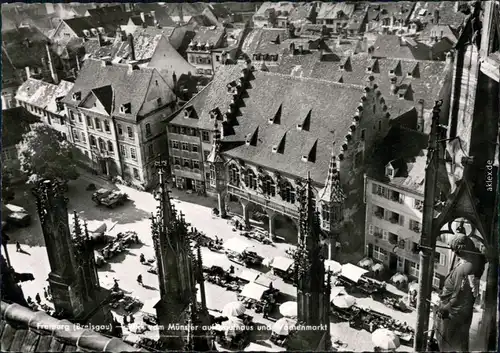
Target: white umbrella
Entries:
(283, 326)
(399, 278)
(233, 309)
(289, 309)
(344, 301)
(378, 267)
(366, 263)
(385, 339)
(333, 266)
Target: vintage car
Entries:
(109, 198)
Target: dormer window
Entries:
(271, 120)
(275, 149)
(410, 74)
(401, 95)
(86, 33)
(94, 31)
(369, 69)
(391, 72)
(305, 158)
(126, 108)
(341, 67)
(389, 171)
(77, 96)
(299, 126)
(101, 30)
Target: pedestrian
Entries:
(231, 269)
(38, 299)
(131, 319)
(266, 310)
(18, 247)
(29, 300)
(139, 280)
(271, 285)
(45, 295)
(142, 259)
(125, 322)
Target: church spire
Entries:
(332, 192)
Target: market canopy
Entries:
(263, 280)
(352, 272)
(248, 275)
(253, 291)
(282, 263)
(254, 347)
(237, 245)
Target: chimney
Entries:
(394, 88)
(339, 41)
(77, 63)
(456, 6)
(51, 65)
(131, 49)
(301, 49)
(132, 68)
(420, 115)
(449, 58)
(143, 17)
(402, 41)
(321, 54)
(100, 39)
(153, 15)
(224, 57)
(174, 80)
(28, 72)
(123, 35)
(436, 17)
(292, 49)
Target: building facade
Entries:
(115, 113)
(394, 225)
(199, 52)
(261, 168)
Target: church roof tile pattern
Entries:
(267, 92)
(23, 330)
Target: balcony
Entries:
(291, 211)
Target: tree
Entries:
(45, 154)
(7, 192)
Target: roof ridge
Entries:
(333, 83)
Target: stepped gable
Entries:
(23, 330)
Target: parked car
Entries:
(109, 198)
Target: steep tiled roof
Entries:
(345, 47)
(400, 10)
(161, 13)
(23, 330)
(277, 6)
(424, 13)
(129, 86)
(42, 94)
(104, 11)
(330, 10)
(268, 92)
(356, 22)
(210, 35)
(263, 41)
(185, 8)
(444, 31)
(201, 20)
(25, 46)
(392, 46)
(145, 44)
(426, 82)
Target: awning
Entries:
(149, 306)
(254, 347)
(253, 291)
(352, 272)
(237, 245)
(263, 280)
(248, 275)
(282, 263)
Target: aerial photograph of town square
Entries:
(250, 176)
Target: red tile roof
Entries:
(23, 330)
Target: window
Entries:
(185, 146)
(419, 205)
(183, 131)
(401, 262)
(106, 126)
(110, 146)
(177, 161)
(174, 129)
(132, 153)
(80, 118)
(212, 175)
(158, 101)
(394, 218)
(379, 253)
(75, 135)
(251, 179)
(196, 164)
(440, 258)
(123, 151)
(379, 190)
(288, 193)
(89, 123)
(397, 197)
(72, 115)
(415, 226)
(93, 141)
(206, 154)
(362, 136)
(389, 172)
(415, 247)
(414, 269)
(217, 58)
(436, 281)
(393, 238)
(194, 148)
(129, 132)
(120, 131)
(136, 174)
(325, 213)
(83, 138)
(175, 145)
(378, 212)
(205, 137)
(150, 151)
(148, 129)
(102, 146)
(268, 186)
(234, 175)
(192, 59)
(186, 163)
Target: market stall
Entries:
(282, 267)
(248, 275)
(253, 291)
(241, 252)
(289, 309)
(352, 272)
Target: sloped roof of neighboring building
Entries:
(15, 123)
(277, 6)
(201, 20)
(263, 41)
(400, 10)
(392, 46)
(208, 35)
(42, 94)
(345, 47)
(444, 31)
(161, 13)
(23, 330)
(129, 86)
(105, 10)
(145, 44)
(357, 20)
(424, 13)
(426, 81)
(302, 12)
(25, 46)
(185, 8)
(267, 94)
(330, 10)
(219, 10)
